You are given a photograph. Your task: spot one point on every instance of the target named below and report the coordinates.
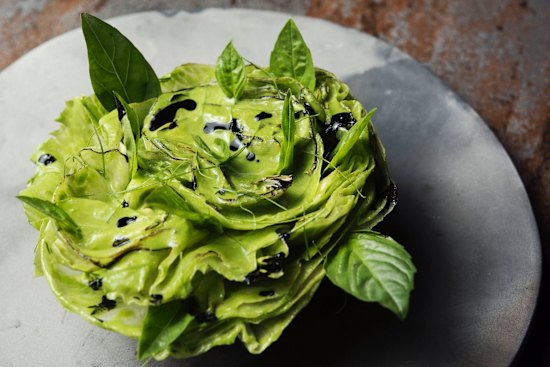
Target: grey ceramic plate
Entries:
(463, 213)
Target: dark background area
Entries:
(495, 54)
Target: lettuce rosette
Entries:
(207, 205)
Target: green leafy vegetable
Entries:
(291, 56)
(162, 325)
(288, 125)
(61, 218)
(116, 65)
(230, 72)
(374, 268)
(188, 220)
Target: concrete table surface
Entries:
(495, 54)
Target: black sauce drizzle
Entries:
(46, 159)
(269, 293)
(207, 316)
(309, 110)
(95, 284)
(156, 299)
(106, 304)
(235, 144)
(120, 241)
(269, 266)
(124, 221)
(262, 115)
(232, 126)
(167, 114)
(120, 109)
(343, 119)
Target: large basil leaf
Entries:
(162, 325)
(230, 72)
(291, 56)
(374, 268)
(116, 65)
(61, 218)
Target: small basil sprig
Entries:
(230, 72)
(288, 125)
(373, 268)
(60, 216)
(130, 130)
(349, 139)
(291, 57)
(116, 65)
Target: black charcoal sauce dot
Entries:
(167, 114)
(120, 109)
(272, 266)
(124, 221)
(106, 304)
(262, 115)
(125, 204)
(250, 156)
(269, 293)
(343, 119)
(156, 299)
(95, 284)
(210, 127)
(235, 144)
(207, 316)
(309, 110)
(284, 236)
(120, 241)
(46, 159)
(232, 125)
(252, 277)
(109, 304)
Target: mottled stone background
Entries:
(494, 53)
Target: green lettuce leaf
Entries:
(188, 220)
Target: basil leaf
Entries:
(350, 138)
(125, 115)
(162, 325)
(374, 268)
(116, 65)
(230, 72)
(289, 130)
(291, 56)
(61, 218)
